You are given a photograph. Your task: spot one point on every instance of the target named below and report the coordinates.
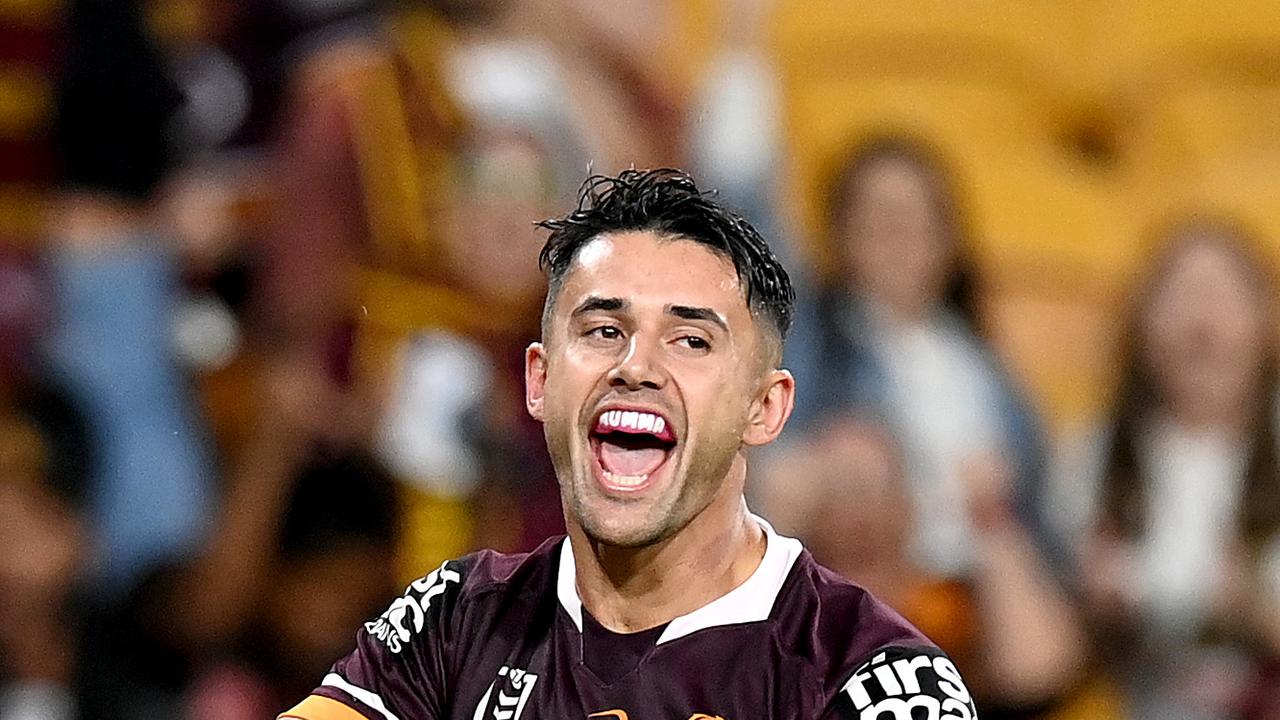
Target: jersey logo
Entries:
(514, 687)
(408, 614)
(894, 686)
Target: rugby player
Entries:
(657, 371)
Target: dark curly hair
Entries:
(669, 203)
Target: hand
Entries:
(198, 209)
(987, 481)
(295, 406)
(297, 398)
(41, 546)
(1109, 579)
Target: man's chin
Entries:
(624, 542)
(619, 530)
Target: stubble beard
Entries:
(699, 480)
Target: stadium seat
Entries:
(1026, 195)
(1201, 124)
(1019, 41)
(1173, 40)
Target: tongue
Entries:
(628, 461)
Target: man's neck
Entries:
(633, 589)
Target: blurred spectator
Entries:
(1007, 623)
(112, 345)
(600, 72)
(735, 122)
(604, 84)
(114, 285)
(600, 89)
(454, 426)
(115, 101)
(505, 72)
(402, 257)
(334, 569)
(1174, 509)
(44, 473)
(894, 331)
(350, 266)
(303, 546)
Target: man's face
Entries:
(653, 377)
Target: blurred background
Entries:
(267, 268)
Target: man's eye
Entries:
(693, 342)
(607, 332)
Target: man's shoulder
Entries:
(489, 571)
(897, 681)
(859, 651)
(826, 617)
(466, 590)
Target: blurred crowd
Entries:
(268, 267)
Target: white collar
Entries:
(752, 601)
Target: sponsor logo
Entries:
(513, 688)
(895, 689)
(408, 614)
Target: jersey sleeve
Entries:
(398, 670)
(902, 683)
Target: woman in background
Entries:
(1175, 557)
(893, 332)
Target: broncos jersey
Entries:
(506, 637)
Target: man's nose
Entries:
(640, 367)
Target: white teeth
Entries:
(628, 481)
(633, 419)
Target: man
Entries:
(657, 371)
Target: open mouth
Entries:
(630, 447)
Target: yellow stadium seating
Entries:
(1072, 128)
(1147, 41)
(1022, 42)
(1026, 194)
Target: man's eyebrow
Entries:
(595, 303)
(685, 312)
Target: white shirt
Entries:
(945, 403)
(1195, 483)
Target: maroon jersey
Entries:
(505, 637)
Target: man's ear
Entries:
(535, 380)
(770, 412)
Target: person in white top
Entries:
(1185, 496)
(894, 333)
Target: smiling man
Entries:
(658, 370)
